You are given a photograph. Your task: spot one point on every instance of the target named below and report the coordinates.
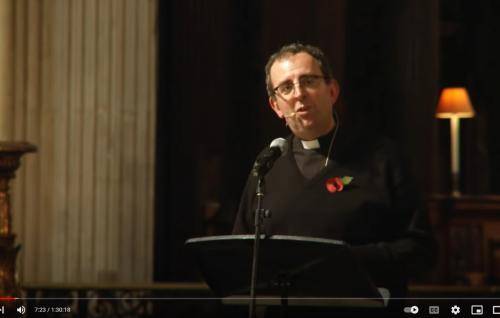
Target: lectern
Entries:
(293, 270)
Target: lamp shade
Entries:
(454, 102)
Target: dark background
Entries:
(391, 57)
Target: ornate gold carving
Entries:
(10, 155)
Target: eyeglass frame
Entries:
(305, 76)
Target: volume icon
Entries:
(21, 310)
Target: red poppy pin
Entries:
(337, 183)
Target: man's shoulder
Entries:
(388, 149)
(382, 143)
(355, 144)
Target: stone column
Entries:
(10, 152)
(6, 67)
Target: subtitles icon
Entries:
(411, 310)
(433, 310)
(476, 309)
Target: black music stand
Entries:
(293, 270)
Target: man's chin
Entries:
(306, 124)
(303, 132)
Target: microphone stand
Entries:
(260, 168)
(259, 216)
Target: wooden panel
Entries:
(464, 227)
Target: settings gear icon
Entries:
(455, 310)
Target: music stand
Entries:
(293, 270)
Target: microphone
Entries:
(266, 160)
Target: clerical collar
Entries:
(322, 143)
(310, 144)
(313, 155)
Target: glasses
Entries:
(287, 89)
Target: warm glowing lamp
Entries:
(454, 104)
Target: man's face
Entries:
(308, 108)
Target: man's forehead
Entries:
(290, 62)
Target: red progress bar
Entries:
(7, 298)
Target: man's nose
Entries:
(298, 90)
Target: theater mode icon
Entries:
(496, 310)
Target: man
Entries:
(334, 181)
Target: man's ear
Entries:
(334, 90)
(274, 105)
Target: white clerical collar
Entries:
(310, 144)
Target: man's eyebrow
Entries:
(301, 76)
(283, 82)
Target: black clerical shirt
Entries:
(378, 213)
